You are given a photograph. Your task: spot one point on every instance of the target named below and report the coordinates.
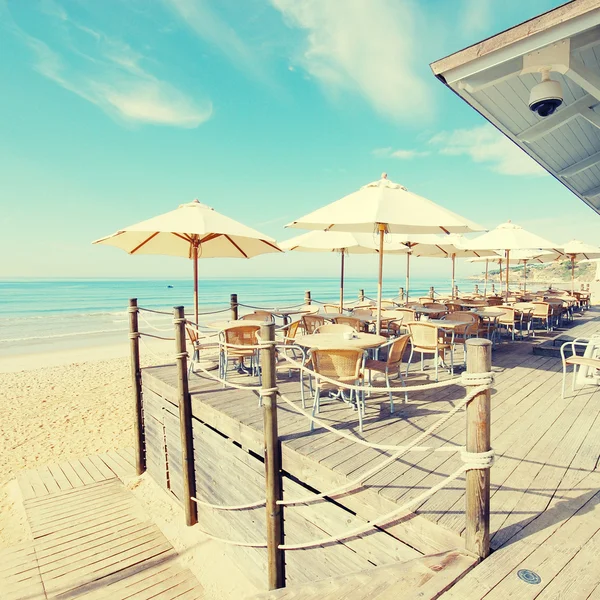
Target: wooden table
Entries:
(363, 341)
(362, 318)
(490, 314)
(286, 313)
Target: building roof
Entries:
(496, 76)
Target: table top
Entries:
(337, 340)
(443, 324)
(429, 311)
(488, 313)
(285, 312)
(361, 318)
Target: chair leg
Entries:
(437, 364)
(403, 384)
(409, 359)
(369, 383)
(387, 383)
(301, 376)
(315, 407)
(357, 396)
(564, 380)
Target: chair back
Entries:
(541, 309)
(311, 322)
(352, 322)
(464, 315)
(407, 314)
(192, 333)
(258, 315)
(342, 364)
(334, 328)
(453, 307)
(494, 301)
(385, 304)
(396, 350)
(508, 315)
(292, 332)
(331, 308)
(423, 335)
(436, 305)
(241, 335)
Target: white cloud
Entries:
(477, 16)
(366, 47)
(488, 146)
(203, 20)
(113, 78)
(400, 154)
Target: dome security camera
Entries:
(545, 97)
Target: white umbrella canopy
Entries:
(577, 250)
(508, 237)
(385, 207)
(437, 246)
(338, 241)
(194, 231)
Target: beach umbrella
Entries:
(577, 250)
(507, 238)
(384, 207)
(450, 246)
(193, 231)
(337, 241)
(517, 257)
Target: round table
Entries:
(286, 313)
(220, 325)
(337, 340)
(492, 314)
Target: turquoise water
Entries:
(33, 311)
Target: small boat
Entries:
(170, 286)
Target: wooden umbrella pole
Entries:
(407, 275)
(487, 262)
(501, 279)
(507, 271)
(572, 274)
(524, 276)
(380, 282)
(195, 259)
(453, 273)
(342, 283)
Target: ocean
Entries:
(37, 315)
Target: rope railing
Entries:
(475, 456)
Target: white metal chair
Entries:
(592, 363)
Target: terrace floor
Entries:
(545, 513)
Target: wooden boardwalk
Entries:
(544, 483)
(91, 539)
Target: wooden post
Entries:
(431, 292)
(493, 288)
(233, 302)
(272, 447)
(185, 419)
(479, 360)
(476, 291)
(455, 292)
(136, 379)
(307, 298)
(401, 294)
(361, 295)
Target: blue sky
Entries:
(115, 111)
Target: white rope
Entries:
(152, 326)
(255, 388)
(357, 483)
(477, 460)
(360, 388)
(380, 520)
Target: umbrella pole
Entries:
(507, 271)
(501, 280)
(453, 273)
(487, 262)
(572, 274)
(342, 284)
(195, 259)
(524, 276)
(407, 275)
(380, 282)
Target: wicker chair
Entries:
(391, 322)
(311, 322)
(240, 335)
(197, 345)
(509, 319)
(351, 321)
(258, 315)
(591, 363)
(290, 349)
(425, 338)
(344, 365)
(331, 308)
(453, 307)
(461, 333)
(542, 312)
(396, 350)
(436, 306)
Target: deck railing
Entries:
(477, 454)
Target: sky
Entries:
(113, 112)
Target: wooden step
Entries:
(425, 578)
